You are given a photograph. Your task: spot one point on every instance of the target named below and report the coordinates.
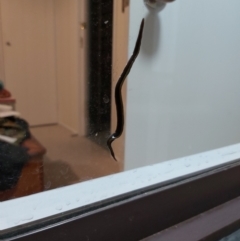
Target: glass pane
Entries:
(232, 237)
(61, 97)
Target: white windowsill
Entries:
(34, 207)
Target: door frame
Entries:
(82, 70)
(2, 73)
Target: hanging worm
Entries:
(118, 94)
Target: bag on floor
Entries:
(12, 160)
(13, 156)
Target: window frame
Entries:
(204, 226)
(138, 216)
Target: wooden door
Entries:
(29, 57)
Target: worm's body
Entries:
(118, 93)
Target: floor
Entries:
(71, 159)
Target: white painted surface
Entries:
(183, 92)
(31, 208)
(29, 61)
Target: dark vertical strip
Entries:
(100, 68)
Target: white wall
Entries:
(67, 58)
(183, 94)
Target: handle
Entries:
(155, 5)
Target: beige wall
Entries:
(67, 64)
(29, 59)
(67, 59)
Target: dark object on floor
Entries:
(31, 176)
(3, 92)
(12, 160)
(15, 127)
(13, 156)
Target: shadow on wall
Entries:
(151, 43)
(58, 174)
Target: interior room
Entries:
(50, 57)
(60, 61)
(119, 120)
